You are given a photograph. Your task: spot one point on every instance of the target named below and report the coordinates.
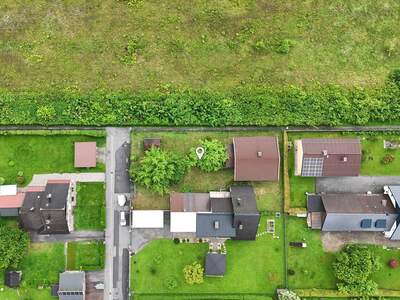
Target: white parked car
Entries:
(121, 200)
(122, 219)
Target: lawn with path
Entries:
(89, 213)
(85, 256)
(252, 266)
(35, 154)
(268, 194)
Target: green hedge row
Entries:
(322, 105)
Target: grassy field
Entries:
(85, 256)
(43, 264)
(89, 213)
(213, 44)
(34, 154)
(313, 267)
(371, 165)
(252, 266)
(268, 194)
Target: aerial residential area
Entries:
(231, 149)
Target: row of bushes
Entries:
(321, 105)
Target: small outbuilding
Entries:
(215, 265)
(147, 219)
(149, 143)
(12, 279)
(85, 154)
(72, 285)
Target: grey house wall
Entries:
(9, 212)
(351, 222)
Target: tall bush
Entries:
(214, 158)
(13, 246)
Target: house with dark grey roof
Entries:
(256, 158)
(215, 264)
(72, 285)
(48, 209)
(327, 157)
(355, 213)
(230, 214)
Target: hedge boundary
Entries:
(327, 105)
(318, 293)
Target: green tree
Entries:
(13, 246)
(214, 158)
(158, 170)
(193, 273)
(353, 267)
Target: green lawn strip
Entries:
(86, 255)
(387, 278)
(34, 154)
(268, 194)
(43, 264)
(252, 266)
(201, 297)
(23, 293)
(89, 213)
(215, 45)
(312, 266)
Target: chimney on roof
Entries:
(325, 152)
(32, 209)
(259, 153)
(49, 197)
(344, 159)
(384, 202)
(240, 226)
(238, 201)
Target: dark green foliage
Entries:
(13, 246)
(214, 158)
(158, 170)
(321, 105)
(394, 77)
(353, 267)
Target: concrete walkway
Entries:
(41, 179)
(76, 236)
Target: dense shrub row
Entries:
(322, 105)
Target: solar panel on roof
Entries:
(366, 223)
(312, 166)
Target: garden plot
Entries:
(268, 194)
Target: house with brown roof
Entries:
(348, 212)
(316, 157)
(256, 158)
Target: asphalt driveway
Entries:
(359, 184)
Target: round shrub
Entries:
(20, 180)
(20, 173)
(176, 240)
(387, 159)
(2, 180)
(291, 272)
(11, 163)
(214, 158)
(171, 283)
(393, 263)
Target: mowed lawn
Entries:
(86, 255)
(268, 194)
(312, 266)
(33, 154)
(216, 44)
(371, 164)
(90, 211)
(252, 266)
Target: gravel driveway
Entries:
(359, 184)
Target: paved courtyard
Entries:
(359, 184)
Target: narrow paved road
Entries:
(117, 237)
